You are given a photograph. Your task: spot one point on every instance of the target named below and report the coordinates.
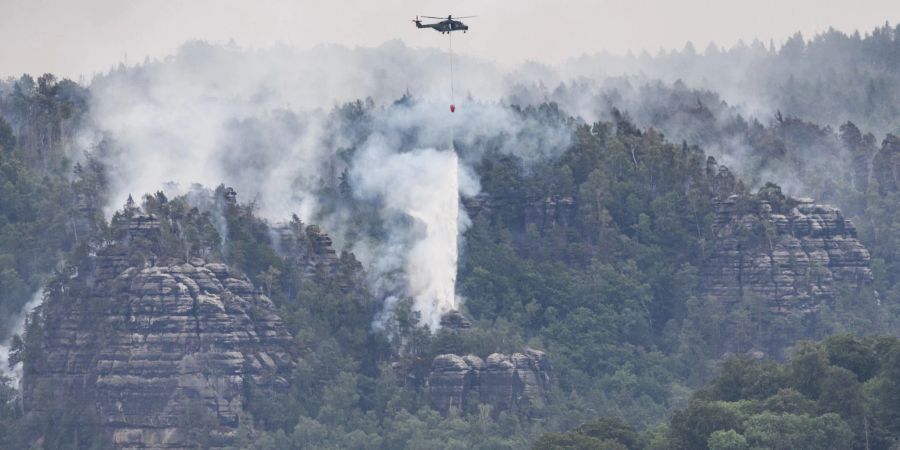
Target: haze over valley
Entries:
(585, 226)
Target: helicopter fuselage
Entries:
(444, 26)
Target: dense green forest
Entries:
(828, 78)
(609, 284)
(838, 393)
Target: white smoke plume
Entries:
(269, 123)
(428, 193)
(212, 112)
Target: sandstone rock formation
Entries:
(794, 260)
(477, 205)
(721, 181)
(506, 382)
(311, 249)
(774, 263)
(455, 320)
(147, 347)
(551, 212)
(546, 214)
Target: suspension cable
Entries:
(452, 97)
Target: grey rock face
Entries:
(312, 250)
(455, 320)
(451, 379)
(722, 181)
(144, 226)
(477, 205)
(550, 213)
(506, 382)
(149, 346)
(792, 263)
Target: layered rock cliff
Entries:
(311, 250)
(151, 346)
(506, 382)
(795, 260)
(550, 213)
(775, 264)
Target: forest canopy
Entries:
(603, 214)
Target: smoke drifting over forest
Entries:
(267, 122)
(630, 223)
(423, 185)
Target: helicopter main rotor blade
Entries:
(432, 17)
(465, 17)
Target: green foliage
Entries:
(790, 431)
(66, 423)
(727, 440)
(606, 433)
(35, 228)
(7, 138)
(690, 428)
(10, 416)
(593, 255)
(817, 403)
(555, 441)
(45, 116)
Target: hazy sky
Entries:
(81, 37)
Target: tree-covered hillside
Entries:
(839, 393)
(828, 78)
(662, 259)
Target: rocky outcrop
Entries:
(506, 382)
(793, 257)
(550, 213)
(477, 205)
(144, 226)
(776, 260)
(451, 380)
(307, 247)
(455, 321)
(722, 182)
(148, 348)
(544, 214)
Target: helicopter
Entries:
(445, 25)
